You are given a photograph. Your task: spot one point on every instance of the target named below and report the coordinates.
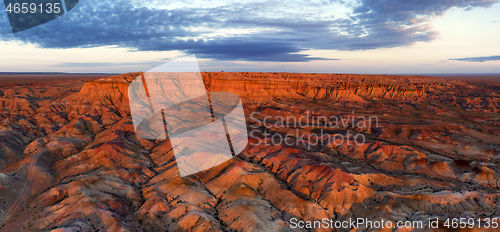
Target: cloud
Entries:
(393, 23)
(106, 64)
(479, 58)
(249, 49)
(250, 31)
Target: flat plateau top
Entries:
(37, 77)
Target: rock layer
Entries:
(377, 147)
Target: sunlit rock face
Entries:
(320, 146)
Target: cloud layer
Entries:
(252, 31)
(479, 58)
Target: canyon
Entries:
(70, 159)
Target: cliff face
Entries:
(261, 87)
(321, 146)
(343, 88)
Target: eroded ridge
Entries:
(78, 164)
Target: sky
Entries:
(323, 36)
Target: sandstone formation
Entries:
(337, 146)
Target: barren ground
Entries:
(70, 159)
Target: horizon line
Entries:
(396, 74)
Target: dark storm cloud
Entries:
(479, 58)
(373, 24)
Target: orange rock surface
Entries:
(70, 159)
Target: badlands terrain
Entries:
(392, 148)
